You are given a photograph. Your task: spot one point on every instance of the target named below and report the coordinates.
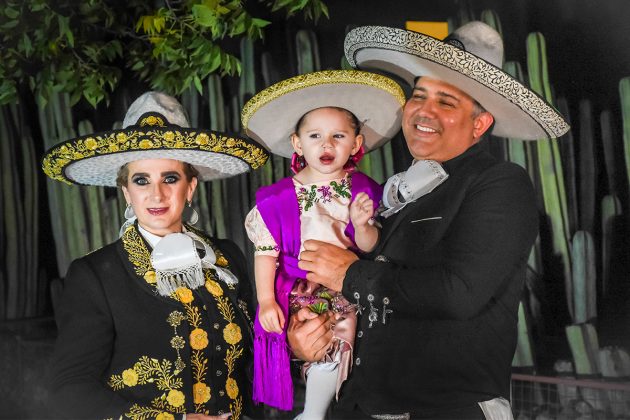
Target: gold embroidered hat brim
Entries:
(518, 111)
(271, 115)
(96, 158)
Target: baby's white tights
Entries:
(321, 386)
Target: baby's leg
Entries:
(321, 384)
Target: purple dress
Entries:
(288, 213)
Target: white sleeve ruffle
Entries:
(257, 231)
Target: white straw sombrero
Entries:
(271, 115)
(469, 59)
(155, 127)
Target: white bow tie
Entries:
(177, 263)
(406, 187)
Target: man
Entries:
(439, 297)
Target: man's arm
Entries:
(489, 238)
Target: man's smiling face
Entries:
(439, 121)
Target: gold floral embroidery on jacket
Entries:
(198, 340)
(162, 375)
(233, 336)
(172, 399)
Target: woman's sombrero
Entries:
(270, 116)
(469, 59)
(155, 127)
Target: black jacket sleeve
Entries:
(83, 349)
(487, 239)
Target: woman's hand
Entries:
(326, 263)
(309, 335)
(270, 316)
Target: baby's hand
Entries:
(270, 316)
(361, 210)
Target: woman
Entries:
(156, 324)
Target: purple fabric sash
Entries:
(278, 206)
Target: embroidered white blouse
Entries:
(324, 215)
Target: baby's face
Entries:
(326, 138)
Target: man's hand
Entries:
(309, 335)
(326, 263)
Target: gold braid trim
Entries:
(148, 138)
(327, 77)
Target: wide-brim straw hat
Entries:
(469, 59)
(271, 115)
(155, 127)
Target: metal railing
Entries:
(561, 397)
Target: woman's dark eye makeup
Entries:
(167, 178)
(140, 180)
(170, 179)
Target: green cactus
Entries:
(247, 81)
(584, 277)
(523, 153)
(95, 199)
(550, 164)
(464, 13)
(524, 354)
(609, 142)
(611, 210)
(517, 150)
(491, 18)
(218, 123)
(587, 167)
(11, 212)
(624, 93)
(190, 102)
(567, 151)
(584, 346)
(34, 298)
(307, 51)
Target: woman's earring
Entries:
(190, 215)
(129, 213)
(297, 162)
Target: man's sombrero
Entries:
(469, 59)
(155, 127)
(270, 116)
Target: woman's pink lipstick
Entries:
(157, 211)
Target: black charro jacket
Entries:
(451, 268)
(124, 351)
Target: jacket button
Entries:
(358, 361)
(360, 334)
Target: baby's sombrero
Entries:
(155, 127)
(270, 116)
(469, 59)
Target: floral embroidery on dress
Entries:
(308, 196)
(267, 248)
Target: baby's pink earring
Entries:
(297, 163)
(353, 161)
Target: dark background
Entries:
(587, 40)
(588, 52)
